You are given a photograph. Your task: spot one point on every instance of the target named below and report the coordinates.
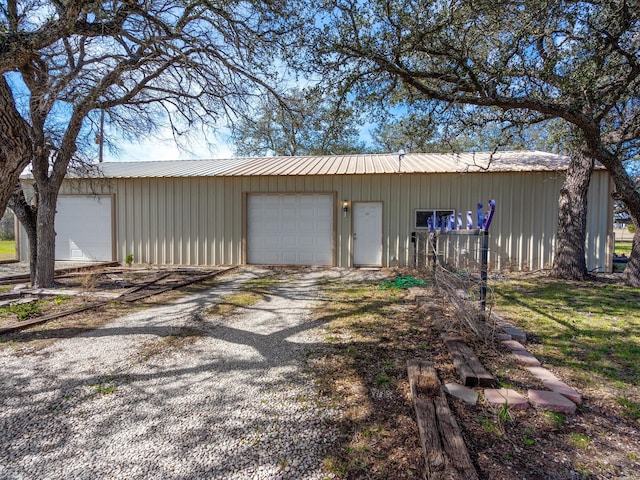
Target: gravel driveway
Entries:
(128, 400)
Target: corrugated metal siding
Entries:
(198, 221)
(363, 164)
(600, 242)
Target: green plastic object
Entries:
(403, 281)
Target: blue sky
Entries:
(155, 149)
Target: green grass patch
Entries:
(363, 369)
(631, 408)
(383, 380)
(7, 249)
(555, 419)
(104, 389)
(622, 247)
(579, 440)
(22, 311)
(253, 291)
(592, 328)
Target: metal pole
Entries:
(484, 256)
(433, 245)
(100, 154)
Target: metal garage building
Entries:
(353, 210)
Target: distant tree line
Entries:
(7, 226)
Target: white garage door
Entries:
(290, 229)
(83, 228)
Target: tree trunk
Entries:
(27, 216)
(569, 261)
(631, 274)
(46, 234)
(15, 144)
(625, 189)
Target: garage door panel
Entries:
(292, 229)
(83, 228)
(307, 227)
(289, 258)
(286, 226)
(289, 241)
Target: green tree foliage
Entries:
(302, 122)
(152, 65)
(573, 60)
(425, 129)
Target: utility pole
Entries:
(101, 137)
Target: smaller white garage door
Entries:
(83, 228)
(290, 229)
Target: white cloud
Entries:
(158, 149)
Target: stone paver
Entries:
(508, 328)
(496, 397)
(551, 401)
(525, 358)
(513, 345)
(563, 389)
(554, 384)
(516, 334)
(542, 373)
(465, 394)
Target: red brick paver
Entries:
(551, 401)
(497, 397)
(525, 358)
(563, 389)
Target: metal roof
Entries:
(362, 164)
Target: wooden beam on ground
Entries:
(472, 372)
(18, 301)
(445, 453)
(10, 295)
(25, 277)
(123, 298)
(46, 318)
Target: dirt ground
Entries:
(379, 436)
(84, 288)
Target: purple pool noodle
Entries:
(492, 206)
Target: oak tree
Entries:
(301, 122)
(573, 60)
(147, 65)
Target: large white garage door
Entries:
(83, 228)
(290, 229)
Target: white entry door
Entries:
(367, 234)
